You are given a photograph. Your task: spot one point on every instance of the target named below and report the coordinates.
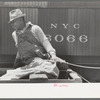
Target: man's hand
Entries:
(56, 59)
(53, 58)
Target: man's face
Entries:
(16, 24)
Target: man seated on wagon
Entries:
(35, 53)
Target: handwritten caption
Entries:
(60, 85)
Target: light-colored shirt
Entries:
(40, 36)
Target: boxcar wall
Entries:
(73, 28)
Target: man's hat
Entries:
(14, 14)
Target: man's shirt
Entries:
(38, 33)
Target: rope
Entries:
(82, 66)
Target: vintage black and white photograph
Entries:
(50, 41)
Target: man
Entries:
(36, 37)
(33, 46)
(30, 41)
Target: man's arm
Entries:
(17, 59)
(14, 36)
(44, 40)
